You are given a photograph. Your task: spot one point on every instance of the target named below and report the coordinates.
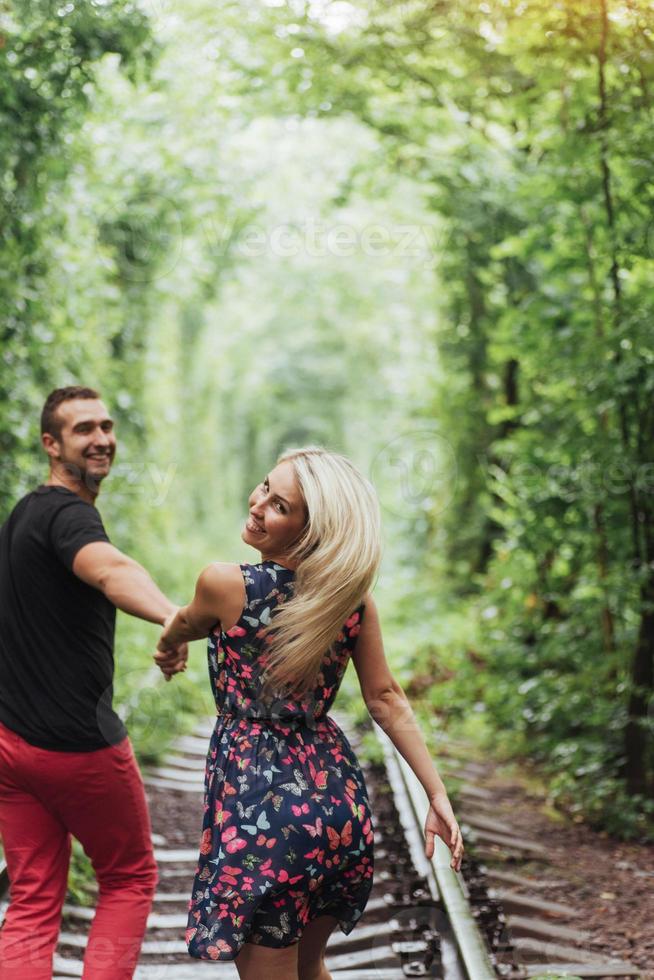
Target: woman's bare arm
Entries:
(219, 597)
(390, 708)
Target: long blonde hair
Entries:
(338, 554)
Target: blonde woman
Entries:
(287, 842)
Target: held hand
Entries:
(171, 659)
(442, 822)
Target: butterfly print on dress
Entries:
(287, 833)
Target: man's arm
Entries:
(123, 581)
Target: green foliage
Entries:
(155, 711)
(547, 359)
(48, 56)
(172, 194)
(81, 889)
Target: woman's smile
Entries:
(254, 526)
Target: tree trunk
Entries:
(638, 732)
(642, 518)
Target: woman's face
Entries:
(277, 513)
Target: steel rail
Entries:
(445, 883)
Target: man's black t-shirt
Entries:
(56, 632)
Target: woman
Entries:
(287, 843)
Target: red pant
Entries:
(98, 797)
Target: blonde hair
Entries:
(338, 554)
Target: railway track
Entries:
(422, 919)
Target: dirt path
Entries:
(611, 882)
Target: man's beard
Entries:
(80, 473)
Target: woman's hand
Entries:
(171, 660)
(441, 821)
(170, 657)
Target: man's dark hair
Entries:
(50, 421)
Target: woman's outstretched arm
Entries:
(219, 598)
(390, 708)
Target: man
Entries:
(66, 763)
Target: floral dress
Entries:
(287, 833)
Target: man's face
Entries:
(87, 444)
